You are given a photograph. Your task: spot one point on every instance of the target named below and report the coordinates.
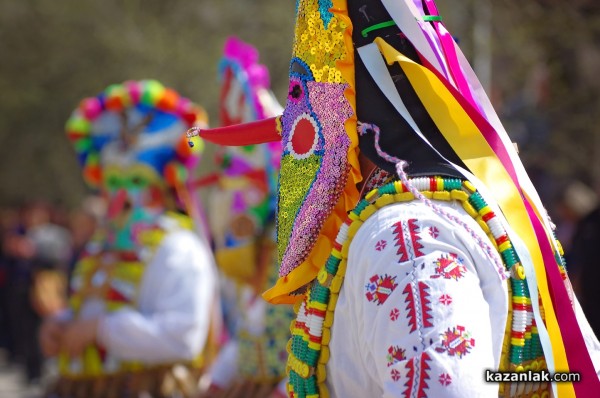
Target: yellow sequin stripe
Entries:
(317, 45)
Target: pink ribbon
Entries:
(447, 42)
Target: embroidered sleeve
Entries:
(426, 318)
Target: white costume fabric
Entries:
(413, 317)
(176, 298)
(224, 369)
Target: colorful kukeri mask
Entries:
(319, 164)
(319, 167)
(129, 142)
(406, 67)
(244, 201)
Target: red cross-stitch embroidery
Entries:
(379, 288)
(380, 245)
(418, 374)
(407, 240)
(456, 342)
(445, 379)
(418, 306)
(394, 314)
(395, 375)
(446, 299)
(395, 354)
(434, 232)
(449, 266)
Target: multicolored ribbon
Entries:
(485, 154)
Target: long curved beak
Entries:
(259, 132)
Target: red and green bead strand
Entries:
(525, 343)
(306, 345)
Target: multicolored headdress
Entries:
(135, 122)
(130, 144)
(244, 200)
(393, 65)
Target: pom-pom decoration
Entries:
(136, 121)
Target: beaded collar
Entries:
(311, 334)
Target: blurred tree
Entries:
(549, 57)
(545, 57)
(545, 61)
(56, 53)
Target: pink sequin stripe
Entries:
(363, 128)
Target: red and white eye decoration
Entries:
(304, 137)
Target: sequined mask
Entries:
(319, 164)
(314, 163)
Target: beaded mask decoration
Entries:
(315, 198)
(244, 200)
(129, 142)
(315, 162)
(319, 164)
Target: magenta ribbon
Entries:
(577, 353)
(447, 42)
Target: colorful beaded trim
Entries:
(309, 346)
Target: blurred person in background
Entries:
(9, 224)
(242, 220)
(83, 221)
(51, 244)
(142, 295)
(581, 255)
(575, 201)
(38, 252)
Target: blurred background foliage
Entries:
(540, 61)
